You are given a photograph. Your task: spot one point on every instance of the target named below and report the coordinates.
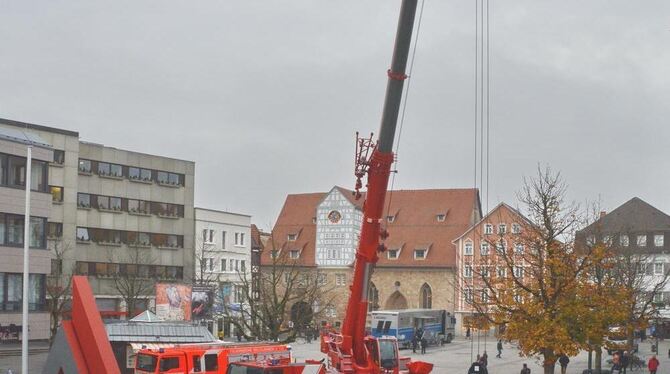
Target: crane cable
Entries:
(404, 106)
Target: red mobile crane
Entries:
(350, 351)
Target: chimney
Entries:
(603, 213)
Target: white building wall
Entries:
(336, 240)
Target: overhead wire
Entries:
(405, 98)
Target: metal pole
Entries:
(26, 276)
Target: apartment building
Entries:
(222, 259)
(117, 213)
(13, 152)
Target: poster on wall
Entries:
(202, 302)
(173, 301)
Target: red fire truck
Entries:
(219, 358)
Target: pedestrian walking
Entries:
(467, 333)
(625, 361)
(485, 359)
(564, 360)
(415, 340)
(424, 343)
(653, 365)
(525, 369)
(616, 364)
(499, 347)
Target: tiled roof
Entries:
(632, 216)
(256, 242)
(415, 226)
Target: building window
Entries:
(139, 206)
(488, 229)
(484, 249)
(485, 296)
(502, 229)
(56, 194)
(59, 157)
(502, 272)
(103, 202)
(518, 272)
(340, 279)
(501, 246)
(223, 240)
(516, 228)
(441, 217)
(607, 240)
(658, 268)
(390, 219)
(518, 248)
(484, 271)
(116, 170)
(104, 168)
(518, 299)
(294, 254)
(642, 240)
(392, 254)
(658, 240)
(164, 177)
(420, 254)
(623, 240)
(37, 232)
(223, 264)
(426, 296)
(468, 248)
(83, 200)
(243, 266)
(85, 166)
(16, 173)
(467, 295)
(467, 271)
(292, 237)
(83, 234)
(54, 230)
(239, 239)
(373, 298)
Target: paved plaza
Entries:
(452, 358)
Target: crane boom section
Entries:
(378, 169)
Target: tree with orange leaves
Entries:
(542, 290)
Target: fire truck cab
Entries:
(211, 359)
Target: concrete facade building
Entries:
(117, 212)
(417, 270)
(222, 258)
(13, 152)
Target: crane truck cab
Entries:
(211, 358)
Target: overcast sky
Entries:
(265, 96)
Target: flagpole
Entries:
(26, 276)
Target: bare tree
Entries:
(134, 283)
(58, 284)
(285, 291)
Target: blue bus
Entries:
(437, 325)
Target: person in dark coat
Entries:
(564, 360)
(485, 359)
(467, 333)
(499, 347)
(477, 368)
(424, 343)
(415, 340)
(525, 369)
(625, 361)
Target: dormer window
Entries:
(502, 228)
(441, 217)
(390, 219)
(420, 254)
(488, 229)
(294, 254)
(516, 228)
(292, 237)
(468, 248)
(392, 254)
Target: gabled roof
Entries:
(633, 215)
(146, 316)
(490, 213)
(416, 226)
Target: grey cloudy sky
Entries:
(265, 96)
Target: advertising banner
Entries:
(202, 302)
(173, 301)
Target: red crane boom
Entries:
(350, 350)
